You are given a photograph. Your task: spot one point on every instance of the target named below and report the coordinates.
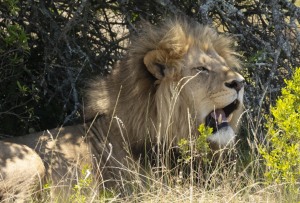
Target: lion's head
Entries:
(174, 77)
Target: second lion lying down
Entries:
(174, 77)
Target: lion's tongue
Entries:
(219, 116)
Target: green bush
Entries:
(282, 156)
(198, 147)
(83, 187)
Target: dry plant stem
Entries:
(191, 162)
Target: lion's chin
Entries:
(223, 138)
(223, 135)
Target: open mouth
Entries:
(219, 118)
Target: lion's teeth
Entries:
(220, 119)
(229, 117)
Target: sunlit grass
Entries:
(236, 180)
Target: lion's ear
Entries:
(154, 63)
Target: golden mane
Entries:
(142, 100)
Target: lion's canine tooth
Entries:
(220, 119)
(229, 117)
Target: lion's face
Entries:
(212, 89)
(214, 85)
(216, 90)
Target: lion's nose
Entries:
(235, 84)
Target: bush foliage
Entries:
(196, 147)
(283, 156)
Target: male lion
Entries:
(174, 77)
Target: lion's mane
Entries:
(149, 104)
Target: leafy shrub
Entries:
(199, 147)
(83, 187)
(282, 157)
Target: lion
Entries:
(174, 77)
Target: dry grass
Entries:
(239, 180)
(225, 183)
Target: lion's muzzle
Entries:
(223, 135)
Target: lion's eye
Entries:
(202, 69)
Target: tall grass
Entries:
(237, 179)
